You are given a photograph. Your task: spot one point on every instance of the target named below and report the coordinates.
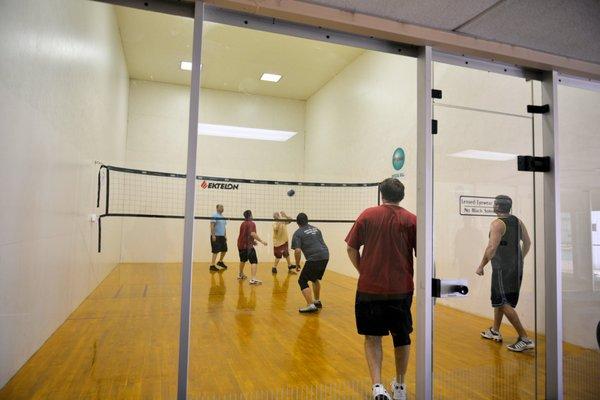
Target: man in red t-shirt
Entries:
(246, 241)
(387, 234)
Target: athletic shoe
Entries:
(273, 270)
(379, 393)
(398, 390)
(311, 308)
(318, 304)
(491, 334)
(291, 269)
(212, 268)
(241, 277)
(222, 265)
(255, 282)
(521, 344)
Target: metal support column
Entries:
(552, 241)
(190, 200)
(424, 225)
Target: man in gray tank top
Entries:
(504, 250)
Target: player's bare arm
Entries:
(526, 239)
(287, 219)
(212, 231)
(257, 238)
(297, 257)
(354, 256)
(497, 229)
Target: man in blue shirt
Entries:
(218, 238)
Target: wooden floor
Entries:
(251, 343)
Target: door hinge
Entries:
(434, 126)
(531, 109)
(533, 164)
(436, 94)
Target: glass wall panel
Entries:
(580, 206)
(316, 136)
(94, 89)
(484, 237)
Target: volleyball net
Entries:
(135, 193)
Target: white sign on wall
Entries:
(477, 206)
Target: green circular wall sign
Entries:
(398, 158)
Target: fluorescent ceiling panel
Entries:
(484, 155)
(270, 77)
(186, 65)
(241, 132)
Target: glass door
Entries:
(484, 223)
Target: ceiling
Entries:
(567, 28)
(232, 58)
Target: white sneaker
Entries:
(379, 392)
(241, 277)
(255, 282)
(398, 390)
(311, 308)
(491, 334)
(521, 344)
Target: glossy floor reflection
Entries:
(251, 343)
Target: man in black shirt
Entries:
(505, 252)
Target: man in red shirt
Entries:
(387, 234)
(246, 241)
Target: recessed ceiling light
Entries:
(241, 132)
(186, 65)
(270, 77)
(484, 155)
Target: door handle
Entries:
(449, 287)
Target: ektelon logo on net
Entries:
(224, 186)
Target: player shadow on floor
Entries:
(311, 348)
(246, 302)
(511, 368)
(245, 321)
(280, 291)
(217, 291)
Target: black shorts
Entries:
(312, 271)
(248, 256)
(219, 244)
(377, 316)
(506, 285)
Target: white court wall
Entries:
(157, 140)
(63, 104)
(353, 125)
